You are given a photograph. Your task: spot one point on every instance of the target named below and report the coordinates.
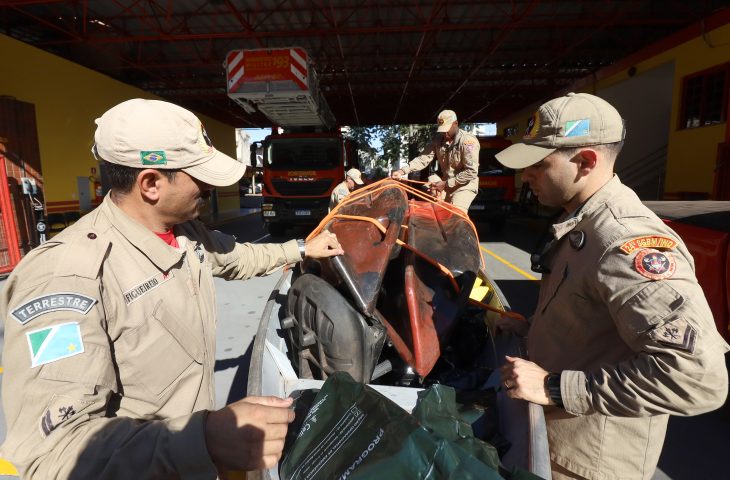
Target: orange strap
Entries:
(433, 262)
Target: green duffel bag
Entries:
(347, 430)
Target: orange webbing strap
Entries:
(433, 262)
(378, 186)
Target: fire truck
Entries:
(496, 195)
(304, 163)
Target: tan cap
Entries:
(575, 120)
(445, 120)
(154, 134)
(355, 175)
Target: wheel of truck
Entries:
(275, 229)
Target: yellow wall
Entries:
(691, 153)
(67, 99)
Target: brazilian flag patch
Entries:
(54, 343)
(155, 157)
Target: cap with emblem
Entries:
(355, 175)
(445, 120)
(575, 120)
(154, 134)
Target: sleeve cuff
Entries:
(451, 182)
(291, 251)
(406, 169)
(574, 392)
(188, 450)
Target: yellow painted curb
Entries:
(7, 468)
(513, 267)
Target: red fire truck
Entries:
(303, 164)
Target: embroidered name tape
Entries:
(651, 241)
(138, 291)
(52, 302)
(54, 343)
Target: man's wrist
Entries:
(302, 245)
(552, 388)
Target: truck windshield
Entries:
(303, 153)
(489, 165)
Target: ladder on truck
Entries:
(280, 83)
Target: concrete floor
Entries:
(694, 448)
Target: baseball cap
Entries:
(355, 175)
(155, 134)
(575, 120)
(445, 119)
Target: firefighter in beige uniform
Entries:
(622, 336)
(344, 188)
(457, 153)
(110, 328)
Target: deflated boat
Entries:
(411, 276)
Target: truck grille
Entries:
(317, 187)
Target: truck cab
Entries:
(496, 195)
(300, 171)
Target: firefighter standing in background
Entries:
(352, 177)
(457, 153)
(109, 347)
(622, 336)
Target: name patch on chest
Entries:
(138, 291)
(52, 302)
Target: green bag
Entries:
(353, 432)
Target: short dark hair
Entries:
(611, 150)
(121, 178)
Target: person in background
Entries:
(352, 178)
(622, 336)
(109, 346)
(457, 152)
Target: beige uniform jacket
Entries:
(458, 162)
(340, 192)
(110, 348)
(632, 349)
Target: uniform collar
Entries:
(589, 206)
(141, 237)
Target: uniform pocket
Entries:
(649, 307)
(92, 368)
(157, 352)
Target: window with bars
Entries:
(705, 97)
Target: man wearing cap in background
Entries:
(622, 336)
(110, 327)
(457, 153)
(352, 177)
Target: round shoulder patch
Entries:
(654, 264)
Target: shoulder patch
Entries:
(52, 302)
(676, 334)
(650, 241)
(654, 264)
(54, 343)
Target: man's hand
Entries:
(434, 188)
(397, 174)
(525, 380)
(323, 245)
(248, 434)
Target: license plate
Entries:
(302, 213)
(269, 213)
(477, 207)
